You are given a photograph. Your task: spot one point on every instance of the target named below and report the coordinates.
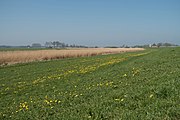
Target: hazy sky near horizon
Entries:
(89, 22)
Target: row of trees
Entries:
(155, 45)
(162, 45)
(165, 44)
(57, 44)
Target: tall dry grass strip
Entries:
(12, 57)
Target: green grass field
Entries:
(137, 85)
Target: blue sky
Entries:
(89, 22)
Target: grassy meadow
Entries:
(134, 85)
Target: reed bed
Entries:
(12, 57)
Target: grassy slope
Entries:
(122, 86)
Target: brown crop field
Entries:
(12, 57)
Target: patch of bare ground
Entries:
(12, 57)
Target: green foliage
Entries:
(136, 85)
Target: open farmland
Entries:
(11, 57)
(132, 85)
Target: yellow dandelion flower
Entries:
(151, 96)
(116, 99)
(26, 107)
(125, 75)
(23, 105)
(46, 101)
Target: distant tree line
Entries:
(165, 44)
(162, 45)
(58, 44)
(156, 45)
